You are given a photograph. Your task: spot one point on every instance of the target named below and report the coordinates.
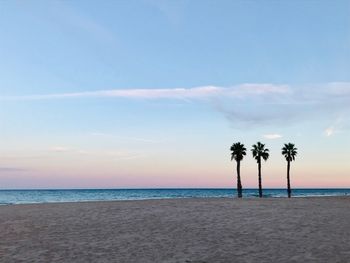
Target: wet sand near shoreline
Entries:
(178, 230)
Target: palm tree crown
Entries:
(238, 151)
(289, 151)
(259, 151)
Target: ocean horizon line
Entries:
(173, 188)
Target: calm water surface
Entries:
(49, 196)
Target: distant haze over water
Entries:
(80, 195)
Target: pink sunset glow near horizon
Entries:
(153, 94)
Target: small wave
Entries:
(322, 195)
(7, 203)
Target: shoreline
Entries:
(14, 197)
(346, 196)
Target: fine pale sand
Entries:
(178, 230)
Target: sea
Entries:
(8, 197)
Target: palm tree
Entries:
(259, 152)
(290, 152)
(238, 152)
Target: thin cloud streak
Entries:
(272, 136)
(245, 105)
(281, 94)
(60, 149)
(115, 155)
(202, 92)
(11, 169)
(124, 138)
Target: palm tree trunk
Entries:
(239, 184)
(260, 186)
(288, 181)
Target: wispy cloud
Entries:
(124, 138)
(60, 149)
(116, 155)
(339, 88)
(336, 127)
(11, 169)
(272, 136)
(300, 103)
(239, 91)
(67, 150)
(329, 131)
(243, 105)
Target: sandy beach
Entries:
(178, 230)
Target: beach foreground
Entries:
(178, 230)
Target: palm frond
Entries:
(289, 151)
(238, 151)
(259, 151)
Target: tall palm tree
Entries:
(260, 152)
(238, 152)
(290, 152)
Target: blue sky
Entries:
(153, 93)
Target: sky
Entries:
(147, 94)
